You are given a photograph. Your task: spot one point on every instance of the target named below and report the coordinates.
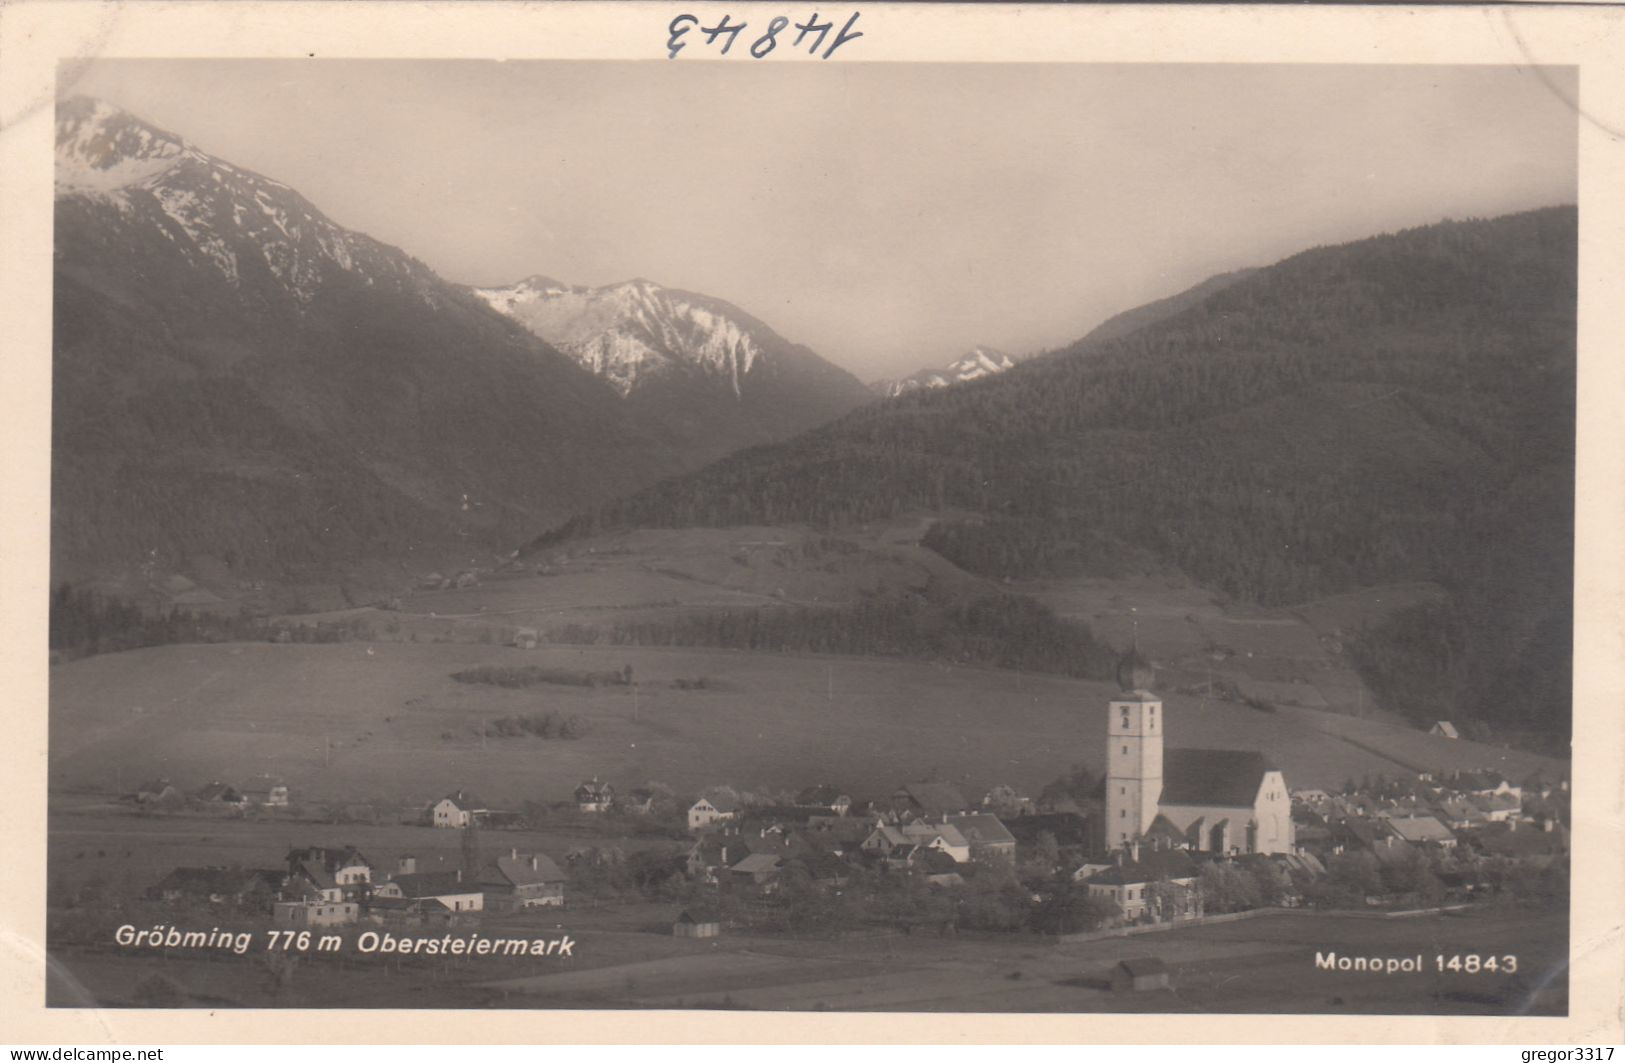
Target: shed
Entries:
(1140, 973)
(697, 924)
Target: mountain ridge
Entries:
(1394, 409)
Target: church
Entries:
(1212, 800)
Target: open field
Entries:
(623, 958)
(385, 723)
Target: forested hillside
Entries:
(1396, 409)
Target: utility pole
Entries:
(829, 682)
(634, 703)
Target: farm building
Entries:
(1444, 729)
(638, 802)
(697, 923)
(158, 791)
(986, 835)
(526, 638)
(522, 880)
(1423, 830)
(1140, 974)
(456, 891)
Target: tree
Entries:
(1072, 909)
(1227, 888)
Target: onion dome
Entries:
(1134, 672)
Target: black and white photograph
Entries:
(713, 532)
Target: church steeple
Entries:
(1134, 729)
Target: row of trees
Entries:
(999, 631)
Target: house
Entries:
(1138, 975)
(275, 796)
(522, 880)
(927, 799)
(408, 912)
(986, 835)
(594, 796)
(759, 868)
(1136, 885)
(1497, 807)
(330, 874)
(697, 923)
(250, 888)
(715, 808)
(457, 809)
(1458, 813)
(943, 837)
(526, 638)
(825, 797)
(1444, 729)
(314, 912)
(1422, 830)
(458, 892)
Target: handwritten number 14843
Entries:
(763, 44)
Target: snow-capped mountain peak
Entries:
(244, 225)
(634, 331)
(979, 362)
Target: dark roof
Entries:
(933, 797)
(329, 859)
(465, 801)
(518, 872)
(720, 802)
(434, 884)
(1140, 966)
(1069, 828)
(980, 828)
(1153, 864)
(1222, 777)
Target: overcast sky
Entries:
(889, 216)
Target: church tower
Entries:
(1133, 754)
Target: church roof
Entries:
(1227, 778)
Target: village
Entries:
(1163, 838)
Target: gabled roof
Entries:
(594, 788)
(720, 802)
(434, 884)
(757, 863)
(518, 872)
(981, 828)
(1227, 778)
(1420, 829)
(465, 801)
(1446, 728)
(925, 833)
(1153, 865)
(1495, 802)
(933, 798)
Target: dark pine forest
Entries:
(1401, 408)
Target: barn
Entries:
(1139, 974)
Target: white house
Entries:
(715, 808)
(457, 809)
